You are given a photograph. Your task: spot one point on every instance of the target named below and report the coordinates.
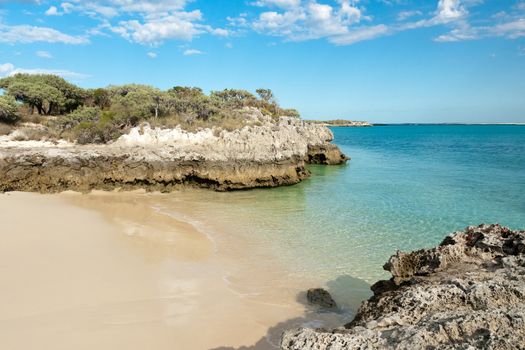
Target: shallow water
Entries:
(406, 187)
(136, 270)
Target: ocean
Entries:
(405, 188)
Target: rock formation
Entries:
(266, 155)
(320, 297)
(467, 293)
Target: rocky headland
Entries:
(343, 123)
(267, 153)
(467, 293)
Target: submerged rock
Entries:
(467, 293)
(267, 155)
(320, 297)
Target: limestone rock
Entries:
(325, 154)
(266, 155)
(467, 293)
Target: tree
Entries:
(101, 98)
(135, 101)
(185, 92)
(234, 98)
(8, 109)
(48, 94)
(291, 113)
(266, 95)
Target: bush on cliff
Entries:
(103, 114)
(108, 127)
(8, 109)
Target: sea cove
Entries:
(259, 250)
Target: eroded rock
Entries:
(467, 293)
(325, 154)
(320, 297)
(268, 155)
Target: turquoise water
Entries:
(406, 187)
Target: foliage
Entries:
(101, 98)
(103, 114)
(234, 98)
(265, 95)
(136, 102)
(8, 109)
(103, 130)
(290, 112)
(71, 120)
(48, 94)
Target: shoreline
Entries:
(270, 155)
(113, 270)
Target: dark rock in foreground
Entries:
(467, 293)
(320, 297)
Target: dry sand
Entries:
(107, 271)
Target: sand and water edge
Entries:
(132, 270)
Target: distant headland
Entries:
(342, 122)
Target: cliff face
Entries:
(268, 155)
(468, 293)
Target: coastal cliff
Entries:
(266, 154)
(467, 293)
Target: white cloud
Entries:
(152, 55)
(286, 4)
(178, 26)
(458, 34)
(450, 10)
(52, 11)
(8, 69)
(512, 30)
(219, 31)
(310, 20)
(44, 54)
(192, 52)
(114, 8)
(146, 22)
(361, 34)
(30, 34)
(404, 15)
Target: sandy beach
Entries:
(111, 270)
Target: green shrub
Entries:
(8, 109)
(107, 128)
(71, 120)
(101, 115)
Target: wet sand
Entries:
(111, 270)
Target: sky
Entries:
(377, 60)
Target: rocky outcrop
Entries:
(325, 154)
(266, 155)
(320, 297)
(467, 293)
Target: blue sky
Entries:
(377, 60)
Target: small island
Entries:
(342, 123)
